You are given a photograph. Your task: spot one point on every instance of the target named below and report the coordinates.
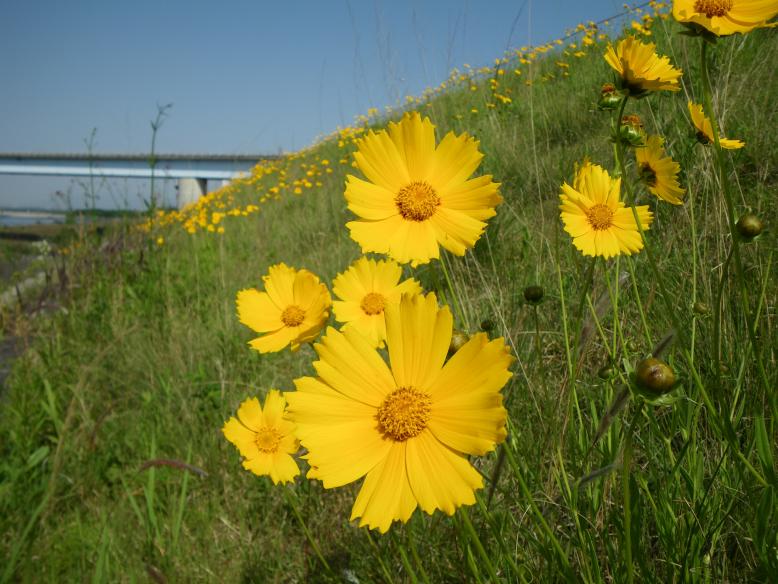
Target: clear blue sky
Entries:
(243, 77)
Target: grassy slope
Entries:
(150, 360)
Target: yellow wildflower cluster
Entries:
(407, 427)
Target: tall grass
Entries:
(148, 360)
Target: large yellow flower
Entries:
(659, 172)
(407, 429)
(265, 438)
(597, 219)
(365, 290)
(705, 130)
(725, 17)
(417, 195)
(292, 310)
(640, 68)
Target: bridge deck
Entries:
(197, 166)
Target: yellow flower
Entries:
(365, 290)
(418, 195)
(659, 172)
(705, 130)
(292, 310)
(725, 17)
(640, 68)
(407, 429)
(264, 438)
(597, 219)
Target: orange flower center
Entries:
(417, 201)
(267, 440)
(600, 216)
(404, 413)
(373, 303)
(711, 8)
(292, 316)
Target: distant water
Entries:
(20, 220)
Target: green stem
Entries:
(291, 499)
(725, 187)
(538, 344)
(415, 554)
(404, 557)
(477, 543)
(377, 552)
(561, 555)
(626, 468)
(454, 298)
(669, 305)
(717, 319)
(639, 302)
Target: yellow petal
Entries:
(439, 478)
(418, 336)
(351, 366)
(257, 311)
(385, 495)
(241, 437)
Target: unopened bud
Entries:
(458, 340)
(606, 372)
(534, 294)
(631, 131)
(749, 226)
(654, 376)
(487, 325)
(610, 98)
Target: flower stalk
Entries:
(707, 94)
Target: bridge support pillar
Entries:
(190, 190)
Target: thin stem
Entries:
(725, 187)
(717, 318)
(291, 499)
(479, 548)
(384, 570)
(562, 556)
(404, 557)
(415, 554)
(626, 466)
(454, 298)
(538, 345)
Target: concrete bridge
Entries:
(191, 170)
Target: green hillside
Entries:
(114, 466)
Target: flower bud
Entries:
(654, 376)
(606, 372)
(631, 131)
(487, 325)
(533, 294)
(610, 98)
(749, 226)
(458, 340)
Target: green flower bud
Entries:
(631, 131)
(534, 294)
(749, 226)
(610, 98)
(458, 340)
(606, 372)
(487, 325)
(654, 376)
